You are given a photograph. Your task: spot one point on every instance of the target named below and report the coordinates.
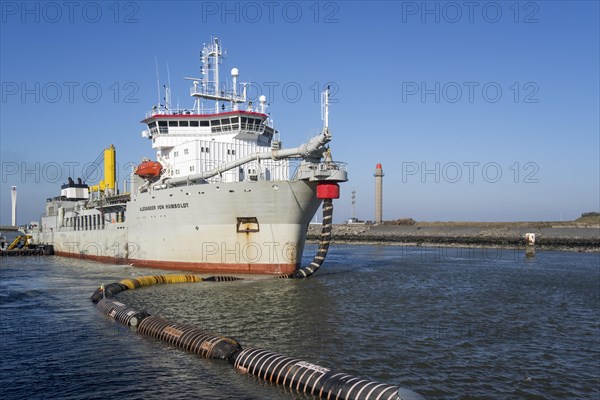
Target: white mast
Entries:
(208, 87)
(13, 194)
(168, 90)
(325, 108)
(234, 74)
(216, 70)
(157, 84)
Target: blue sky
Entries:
(477, 111)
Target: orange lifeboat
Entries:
(149, 169)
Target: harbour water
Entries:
(447, 323)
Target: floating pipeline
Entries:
(310, 379)
(206, 344)
(302, 376)
(121, 313)
(299, 375)
(41, 250)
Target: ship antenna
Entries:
(168, 90)
(157, 83)
(216, 72)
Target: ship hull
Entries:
(242, 227)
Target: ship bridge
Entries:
(223, 125)
(237, 124)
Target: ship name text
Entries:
(164, 206)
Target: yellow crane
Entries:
(109, 181)
(20, 242)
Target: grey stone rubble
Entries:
(549, 236)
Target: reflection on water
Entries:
(448, 323)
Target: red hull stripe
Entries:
(201, 116)
(262, 269)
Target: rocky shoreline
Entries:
(549, 236)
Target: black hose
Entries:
(323, 245)
(296, 374)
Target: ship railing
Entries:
(224, 95)
(172, 111)
(225, 107)
(322, 170)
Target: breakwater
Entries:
(549, 236)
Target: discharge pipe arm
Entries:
(306, 150)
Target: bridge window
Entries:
(193, 123)
(216, 125)
(203, 123)
(162, 127)
(172, 123)
(184, 123)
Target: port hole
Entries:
(247, 224)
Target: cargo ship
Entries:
(223, 195)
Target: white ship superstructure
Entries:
(219, 197)
(222, 126)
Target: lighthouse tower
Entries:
(378, 194)
(13, 195)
